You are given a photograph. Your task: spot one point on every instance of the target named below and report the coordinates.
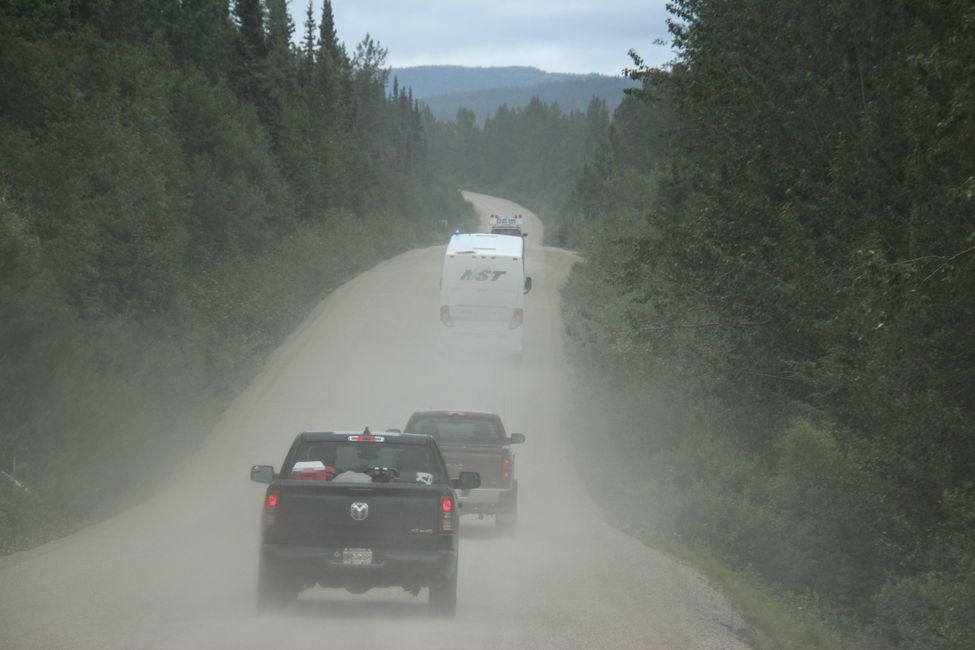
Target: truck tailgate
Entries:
(487, 460)
(321, 514)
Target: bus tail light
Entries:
(517, 318)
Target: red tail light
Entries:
(446, 518)
(506, 466)
(445, 316)
(517, 318)
(271, 507)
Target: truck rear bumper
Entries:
(409, 568)
(487, 501)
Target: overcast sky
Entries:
(555, 35)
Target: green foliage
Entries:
(177, 190)
(932, 610)
(531, 153)
(780, 250)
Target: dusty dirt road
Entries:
(179, 571)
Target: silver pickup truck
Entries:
(476, 441)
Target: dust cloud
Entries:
(179, 570)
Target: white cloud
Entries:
(563, 8)
(558, 36)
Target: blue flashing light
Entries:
(457, 231)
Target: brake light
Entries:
(517, 318)
(506, 466)
(445, 316)
(270, 517)
(366, 437)
(446, 516)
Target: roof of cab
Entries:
(326, 436)
(482, 243)
(456, 412)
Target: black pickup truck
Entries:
(357, 511)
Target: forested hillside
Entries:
(775, 313)
(179, 185)
(531, 153)
(572, 95)
(771, 328)
(433, 80)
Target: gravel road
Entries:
(179, 570)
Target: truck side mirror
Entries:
(262, 473)
(528, 285)
(524, 234)
(467, 481)
(516, 438)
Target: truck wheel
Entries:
(505, 522)
(274, 590)
(443, 597)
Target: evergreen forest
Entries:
(777, 304)
(775, 309)
(572, 95)
(180, 183)
(771, 324)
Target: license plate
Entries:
(482, 314)
(357, 556)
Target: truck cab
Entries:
(476, 441)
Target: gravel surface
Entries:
(179, 570)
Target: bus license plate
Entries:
(357, 556)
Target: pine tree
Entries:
(250, 76)
(280, 27)
(309, 40)
(328, 41)
(334, 71)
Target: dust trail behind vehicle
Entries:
(179, 571)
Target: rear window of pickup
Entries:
(360, 462)
(472, 429)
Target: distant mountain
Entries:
(444, 89)
(433, 80)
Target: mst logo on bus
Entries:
(482, 275)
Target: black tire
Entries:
(443, 597)
(505, 522)
(274, 591)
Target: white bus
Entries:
(482, 291)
